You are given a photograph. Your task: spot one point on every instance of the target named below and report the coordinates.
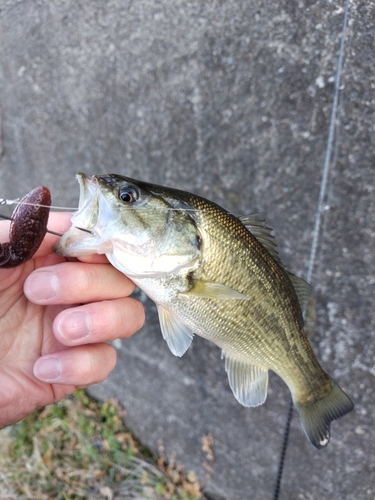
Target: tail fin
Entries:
(317, 415)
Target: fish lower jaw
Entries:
(73, 244)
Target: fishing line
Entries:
(4, 201)
(283, 450)
(318, 217)
(327, 159)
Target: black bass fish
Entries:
(214, 275)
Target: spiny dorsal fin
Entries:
(263, 234)
(248, 382)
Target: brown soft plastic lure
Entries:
(27, 229)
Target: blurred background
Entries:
(230, 100)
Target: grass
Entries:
(80, 449)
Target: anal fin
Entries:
(177, 335)
(248, 382)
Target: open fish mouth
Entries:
(85, 236)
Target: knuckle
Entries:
(98, 363)
(133, 316)
(125, 315)
(105, 279)
(141, 316)
(88, 279)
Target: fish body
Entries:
(214, 275)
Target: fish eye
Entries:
(128, 194)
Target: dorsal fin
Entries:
(263, 234)
(302, 289)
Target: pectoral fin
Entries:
(177, 335)
(248, 382)
(211, 290)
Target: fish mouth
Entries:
(88, 196)
(84, 237)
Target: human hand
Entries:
(55, 319)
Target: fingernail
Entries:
(42, 285)
(48, 369)
(75, 325)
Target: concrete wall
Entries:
(231, 100)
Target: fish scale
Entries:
(214, 275)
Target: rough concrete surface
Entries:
(231, 100)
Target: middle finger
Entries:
(99, 322)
